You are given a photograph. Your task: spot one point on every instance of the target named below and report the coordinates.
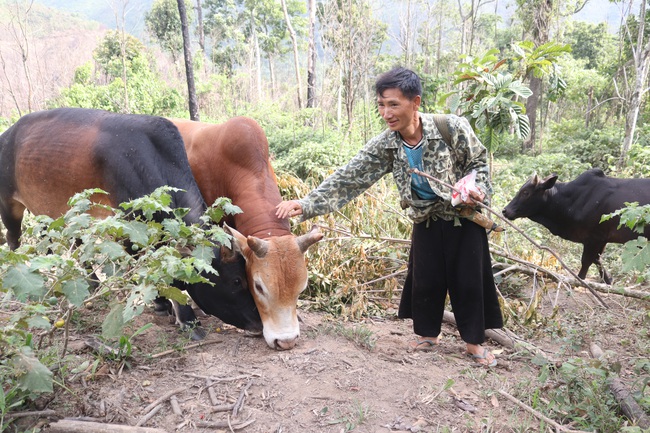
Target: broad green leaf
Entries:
(636, 255)
(25, 283)
(140, 296)
(38, 322)
(112, 250)
(113, 323)
(137, 232)
(75, 290)
(32, 375)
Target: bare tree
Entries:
(189, 69)
(294, 43)
(199, 15)
(311, 55)
(19, 29)
(641, 59)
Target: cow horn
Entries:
(308, 239)
(259, 246)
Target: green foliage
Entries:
(489, 99)
(636, 253)
(316, 160)
(163, 22)
(577, 393)
(592, 42)
(127, 258)
(595, 147)
(144, 92)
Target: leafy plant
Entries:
(489, 99)
(130, 257)
(636, 253)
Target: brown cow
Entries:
(48, 156)
(232, 160)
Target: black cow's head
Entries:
(530, 198)
(228, 298)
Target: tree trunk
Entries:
(294, 43)
(311, 56)
(641, 62)
(199, 15)
(189, 68)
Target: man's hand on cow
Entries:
(288, 208)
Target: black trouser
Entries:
(445, 258)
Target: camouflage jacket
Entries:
(384, 154)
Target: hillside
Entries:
(57, 43)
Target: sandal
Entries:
(482, 359)
(424, 344)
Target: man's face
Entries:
(397, 110)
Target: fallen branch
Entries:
(72, 426)
(537, 414)
(505, 338)
(623, 395)
(531, 269)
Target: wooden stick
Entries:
(72, 426)
(191, 346)
(37, 413)
(176, 408)
(211, 393)
(240, 401)
(539, 415)
(149, 415)
(162, 399)
(223, 424)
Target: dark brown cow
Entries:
(232, 160)
(48, 156)
(573, 210)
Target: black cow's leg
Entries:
(162, 306)
(591, 254)
(12, 224)
(187, 320)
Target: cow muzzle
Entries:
(285, 343)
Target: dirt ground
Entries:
(342, 376)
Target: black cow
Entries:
(48, 156)
(573, 210)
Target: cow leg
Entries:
(591, 255)
(607, 278)
(12, 218)
(187, 320)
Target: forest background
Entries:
(548, 87)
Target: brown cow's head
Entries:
(277, 274)
(530, 198)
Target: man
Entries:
(449, 253)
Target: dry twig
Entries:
(558, 427)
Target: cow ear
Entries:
(308, 239)
(549, 181)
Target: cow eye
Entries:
(259, 288)
(237, 282)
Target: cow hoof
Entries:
(197, 333)
(252, 333)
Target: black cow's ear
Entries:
(548, 182)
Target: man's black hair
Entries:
(407, 81)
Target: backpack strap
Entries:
(441, 123)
